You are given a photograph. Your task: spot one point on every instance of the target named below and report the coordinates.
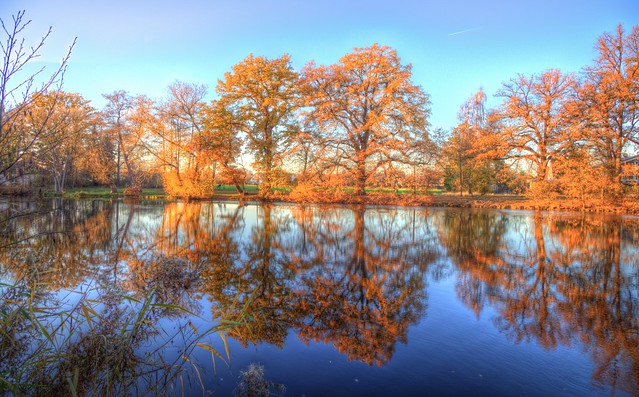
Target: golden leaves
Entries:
(369, 104)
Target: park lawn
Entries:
(156, 193)
(389, 190)
(104, 191)
(231, 189)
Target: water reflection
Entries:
(59, 242)
(556, 280)
(363, 283)
(330, 275)
(83, 310)
(351, 277)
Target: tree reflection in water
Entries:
(253, 286)
(364, 282)
(326, 275)
(352, 277)
(560, 280)
(83, 310)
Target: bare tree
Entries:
(17, 93)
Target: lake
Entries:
(116, 298)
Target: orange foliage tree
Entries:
(610, 98)
(260, 97)
(458, 157)
(221, 141)
(580, 177)
(64, 119)
(186, 166)
(536, 124)
(468, 152)
(127, 144)
(368, 107)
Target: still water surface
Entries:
(331, 301)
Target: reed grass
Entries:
(99, 344)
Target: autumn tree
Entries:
(66, 118)
(141, 121)
(309, 152)
(422, 159)
(473, 110)
(97, 152)
(126, 121)
(222, 142)
(119, 104)
(261, 96)
(610, 98)
(580, 176)
(368, 107)
(186, 167)
(466, 153)
(457, 153)
(536, 124)
(18, 91)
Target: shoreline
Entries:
(509, 202)
(506, 202)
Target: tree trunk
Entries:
(266, 187)
(360, 180)
(618, 169)
(118, 165)
(542, 172)
(461, 177)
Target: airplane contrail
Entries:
(463, 31)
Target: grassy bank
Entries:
(104, 192)
(627, 205)
(222, 192)
(512, 202)
(400, 197)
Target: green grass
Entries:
(148, 193)
(102, 192)
(158, 193)
(231, 188)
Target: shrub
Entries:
(188, 184)
(308, 193)
(132, 191)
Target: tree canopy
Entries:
(370, 108)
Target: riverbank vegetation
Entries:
(345, 132)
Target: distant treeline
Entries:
(337, 129)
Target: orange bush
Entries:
(188, 184)
(132, 191)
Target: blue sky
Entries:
(454, 46)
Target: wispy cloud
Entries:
(464, 31)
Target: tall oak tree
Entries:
(260, 97)
(536, 122)
(368, 107)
